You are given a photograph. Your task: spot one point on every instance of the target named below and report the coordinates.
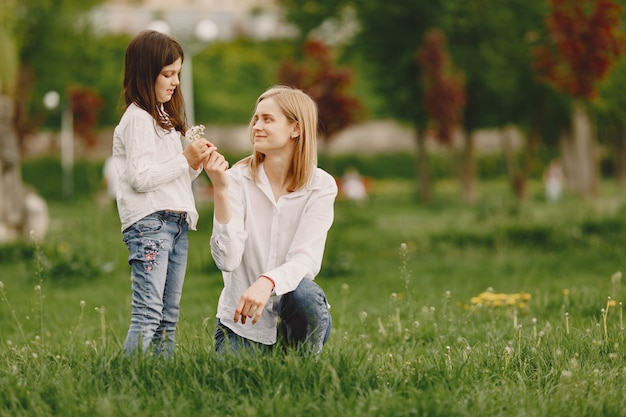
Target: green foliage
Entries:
(229, 77)
(46, 176)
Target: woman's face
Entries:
(167, 81)
(273, 131)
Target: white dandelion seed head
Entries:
(82, 303)
(508, 351)
(566, 373)
(616, 277)
(37, 288)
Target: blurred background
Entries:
(528, 90)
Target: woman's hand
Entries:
(253, 301)
(197, 151)
(216, 166)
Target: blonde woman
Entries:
(273, 211)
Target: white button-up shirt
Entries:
(282, 239)
(153, 173)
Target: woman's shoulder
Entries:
(240, 169)
(322, 179)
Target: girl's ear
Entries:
(295, 132)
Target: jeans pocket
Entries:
(149, 225)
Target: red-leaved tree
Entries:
(444, 97)
(327, 84)
(85, 104)
(444, 92)
(584, 42)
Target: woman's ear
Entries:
(295, 132)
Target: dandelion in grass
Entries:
(616, 282)
(489, 298)
(363, 316)
(194, 133)
(508, 354)
(565, 293)
(605, 313)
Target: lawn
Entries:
(492, 309)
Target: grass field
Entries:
(494, 309)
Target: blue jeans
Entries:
(304, 321)
(157, 246)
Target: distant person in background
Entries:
(109, 173)
(553, 179)
(353, 186)
(273, 211)
(154, 199)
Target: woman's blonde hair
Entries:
(300, 108)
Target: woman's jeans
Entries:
(304, 321)
(157, 246)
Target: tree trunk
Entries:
(517, 180)
(579, 152)
(423, 168)
(468, 170)
(23, 214)
(619, 146)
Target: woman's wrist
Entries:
(270, 280)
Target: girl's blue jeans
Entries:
(157, 246)
(304, 321)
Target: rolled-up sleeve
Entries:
(228, 240)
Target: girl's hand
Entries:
(197, 151)
(252, 302)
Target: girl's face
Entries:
(273, 131)
(167, 81)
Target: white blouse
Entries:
(153, 173)
(282, 239)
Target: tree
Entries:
(584, 42)
(328, 85)
(30, 31)
(444, 97)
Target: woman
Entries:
(273, 211)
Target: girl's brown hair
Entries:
(300, 108)
(146, 55)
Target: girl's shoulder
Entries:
(133, 111)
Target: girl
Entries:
(155, 201)
(273, 210)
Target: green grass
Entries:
(407, 339)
